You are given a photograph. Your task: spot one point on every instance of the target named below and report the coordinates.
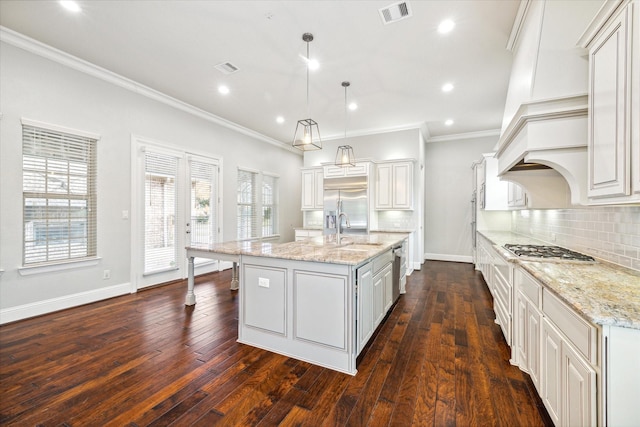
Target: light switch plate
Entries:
(263, 282)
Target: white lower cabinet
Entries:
(551, 366)
(569, 381)
(558, 349)
(527, 337)
(364, 280)
(374, 281)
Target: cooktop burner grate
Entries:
(541, 251)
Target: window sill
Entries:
(67, 265)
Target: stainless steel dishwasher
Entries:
(398, 255)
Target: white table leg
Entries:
(234, 277)
(191, 296)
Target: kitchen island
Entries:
(313, 300)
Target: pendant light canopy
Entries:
(344, 155)
(307, 135)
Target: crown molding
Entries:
(518, 23)
(467, 135)
(45, 51)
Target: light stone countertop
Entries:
(603, 293)
(353, 250)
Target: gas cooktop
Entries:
(547, 252)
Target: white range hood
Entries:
(544, 149)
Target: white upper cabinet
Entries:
(394, 185)
(614, 107)
(360, 169)
(312, 189)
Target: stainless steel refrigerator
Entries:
(348, 195)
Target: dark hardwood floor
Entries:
(147, 360)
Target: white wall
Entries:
(47, 91)
(448, 190)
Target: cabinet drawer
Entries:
(502, 291)
(578, 331)
(529, 287)
(381, 261)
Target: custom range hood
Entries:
(544, 149)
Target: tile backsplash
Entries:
(609, 233)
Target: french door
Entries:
(175, 204)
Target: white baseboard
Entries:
(446, 257)
(33, 309)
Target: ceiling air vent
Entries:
(395, 12)
(226, 68)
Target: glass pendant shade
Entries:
(345, 157)
(307, 136)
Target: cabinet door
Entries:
(308, 187)
(517, 196)
(388, 288)
(364, 296)
(521, 332)
(609, 139)
(551, 392)
(402, 185)
(533, 344)
(319, 188)
(578, 389)
(378, 298)
(383, 186)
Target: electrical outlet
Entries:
(553, 237)
(263, 282)
(106, 274)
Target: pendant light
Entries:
(344, 155)
(307, 135)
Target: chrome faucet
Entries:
(339, 222)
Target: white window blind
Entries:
(59, 195)
(269, 205)
(160, 212)
(247, 208)
(203, 202)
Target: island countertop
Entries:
(353, 250)
(602, 292)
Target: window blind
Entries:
(160, 212)
(247, 208)
(59, 195)
(269, 205)
(203, 203)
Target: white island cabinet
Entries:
(313, 300)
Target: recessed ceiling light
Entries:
(313, 64)
(353, 106)
(223, 89)
(70, 5)
(446, 26)
(448, 122)
(447, 87)
(280, 119)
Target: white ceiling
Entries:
(396, 70)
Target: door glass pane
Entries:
(203, 205)
(160, 251)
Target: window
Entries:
(59, 194)
(269, 205)
(257, 204)
(247, 205)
